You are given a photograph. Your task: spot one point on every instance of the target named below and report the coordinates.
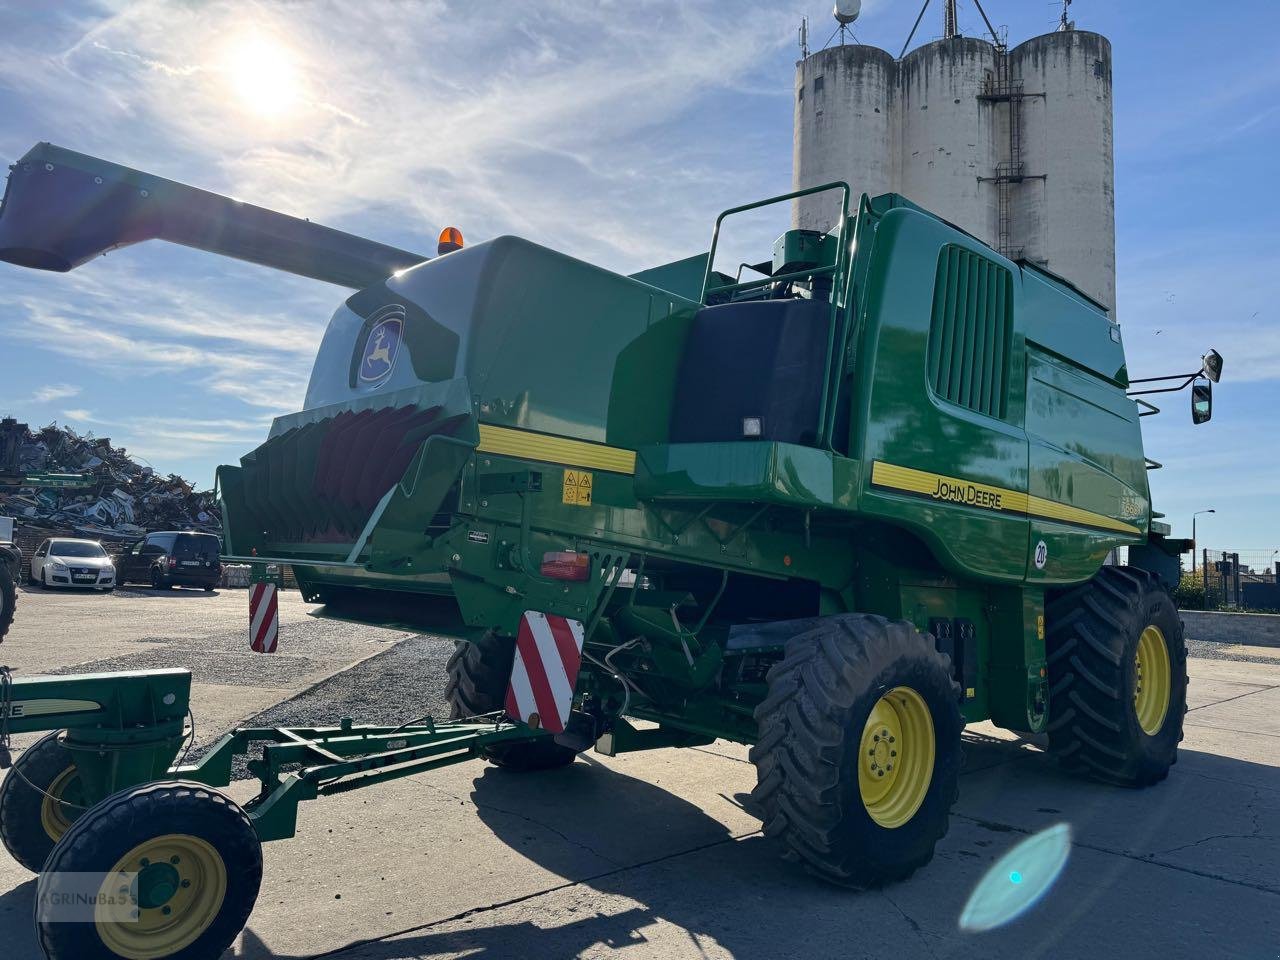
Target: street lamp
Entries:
(1194, 546)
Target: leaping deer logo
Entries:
(380, 350)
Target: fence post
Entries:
(1235, 578)
(1204, 573)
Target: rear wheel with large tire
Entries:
(479, 671)
(858, 756)
(181, 867)
(39, 800)
(1118, 677)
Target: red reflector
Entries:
(566, 565)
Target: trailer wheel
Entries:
(181, 865)
(1118, 677)
(858, 756)
(8, 595)
(479, 671)
(31, 822)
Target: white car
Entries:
(62, 562)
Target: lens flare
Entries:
(1016, 882)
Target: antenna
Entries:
(804, 38)
(1066, 23)
(949, 29)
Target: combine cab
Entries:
(833, 512)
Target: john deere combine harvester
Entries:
(834, 512)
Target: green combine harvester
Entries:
(834, 511)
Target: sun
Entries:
(263, 73)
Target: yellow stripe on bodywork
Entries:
(540, 446)
(984, 496)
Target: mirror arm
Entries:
(1186, 379)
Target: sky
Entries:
(612, 131)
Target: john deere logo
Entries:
(380, 349)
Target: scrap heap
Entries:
(70, 483)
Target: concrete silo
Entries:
(1013, 145)
(947, 131)
(844, 127)
(1065, 218)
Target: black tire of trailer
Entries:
(8, 597)
(811, 727)
(110, 830)
(26, 814)
(1092, 637)
(479, 671)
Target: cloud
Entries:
(549, 125)
(55, 391)
(81, 415)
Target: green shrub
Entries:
(1190, 593)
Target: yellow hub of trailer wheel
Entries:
(54, 816)
(160, 897)
(895, 761)
(1152, 680)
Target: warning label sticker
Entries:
(577, 488)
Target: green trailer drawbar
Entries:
(835, 511)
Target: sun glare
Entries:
(263, 73)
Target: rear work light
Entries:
(566, 565)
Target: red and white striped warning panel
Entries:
(548, 655)
(264, 617)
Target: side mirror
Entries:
(1211, 365)
(1201, 402)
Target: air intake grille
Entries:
(969, 337)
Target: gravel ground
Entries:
(1212, 650)
(400, 684)
(223, 656)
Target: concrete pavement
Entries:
(651, 854)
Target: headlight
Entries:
(59, 565)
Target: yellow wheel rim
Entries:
(160, 897)
(56, 817)
(895, 759)
(1152, 680)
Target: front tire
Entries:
(1118, 677)
(858, 756)
(198, 866)
(479, 671)
(31, 821)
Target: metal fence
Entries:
(1240, 579)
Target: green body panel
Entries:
(898, 420)
(926, 504)
(123, 728)
(681, 277)
(781, 473)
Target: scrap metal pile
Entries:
(57, 479)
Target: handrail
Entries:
(794, 195)
(835, 369)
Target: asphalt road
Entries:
(651, 855)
